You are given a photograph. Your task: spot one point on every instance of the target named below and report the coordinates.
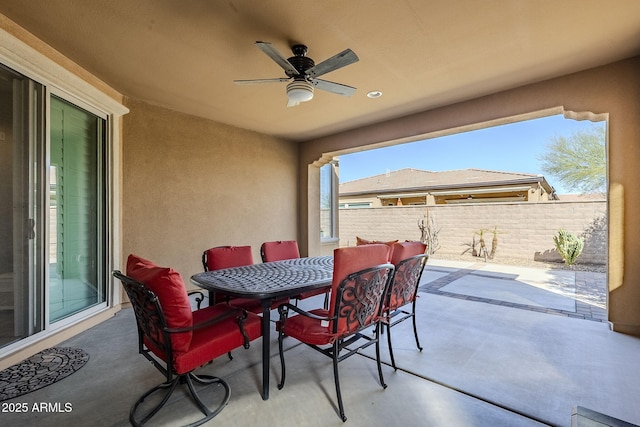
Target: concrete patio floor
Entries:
(484, 364)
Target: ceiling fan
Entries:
(302, 72)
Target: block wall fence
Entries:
(525, 230)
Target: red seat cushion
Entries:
(250, 304)
(313, 293)
(254, 305)
(309, 330)
(172, 293)
(216, 339)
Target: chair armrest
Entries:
(241, 317)
(199, 298)
(211, 321)
(283, 309)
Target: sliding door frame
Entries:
(88, 93)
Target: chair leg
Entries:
(393, 360)
(188, 379)
(207, 379)
(281, 351)
(378, 356)
(132, 413)
(415, 328)
(337, 380)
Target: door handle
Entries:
(31, 229)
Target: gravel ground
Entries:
(596, 268)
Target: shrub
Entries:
(568, 246)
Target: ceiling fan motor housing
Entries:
(300, 61)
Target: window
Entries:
(328, 197)
(355, 205)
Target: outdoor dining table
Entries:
(268, 282)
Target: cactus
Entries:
(429, 232)
(483, 252)
(568, 246)
(494, 242)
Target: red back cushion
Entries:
(172, 293)
(351, 259)
(276, 251)
(228, 256)
(360, 241)
(406, 250)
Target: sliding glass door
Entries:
(21, 290)
(75, 211)
(53, 210)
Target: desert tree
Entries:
(579, 160)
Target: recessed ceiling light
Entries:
(374, 94)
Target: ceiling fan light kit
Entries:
(302, 72)
(299, 91)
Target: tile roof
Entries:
(412, 179)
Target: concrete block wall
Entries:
(525, 230)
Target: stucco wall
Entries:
(190, 184)
(610, 91)
(525, 230)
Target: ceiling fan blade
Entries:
(272, 53)
(340, 60)
(332, 87)
(258, 81)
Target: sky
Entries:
(515, 147)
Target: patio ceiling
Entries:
(421, 54)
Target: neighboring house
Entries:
(420, 187)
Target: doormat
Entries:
(40, 370)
